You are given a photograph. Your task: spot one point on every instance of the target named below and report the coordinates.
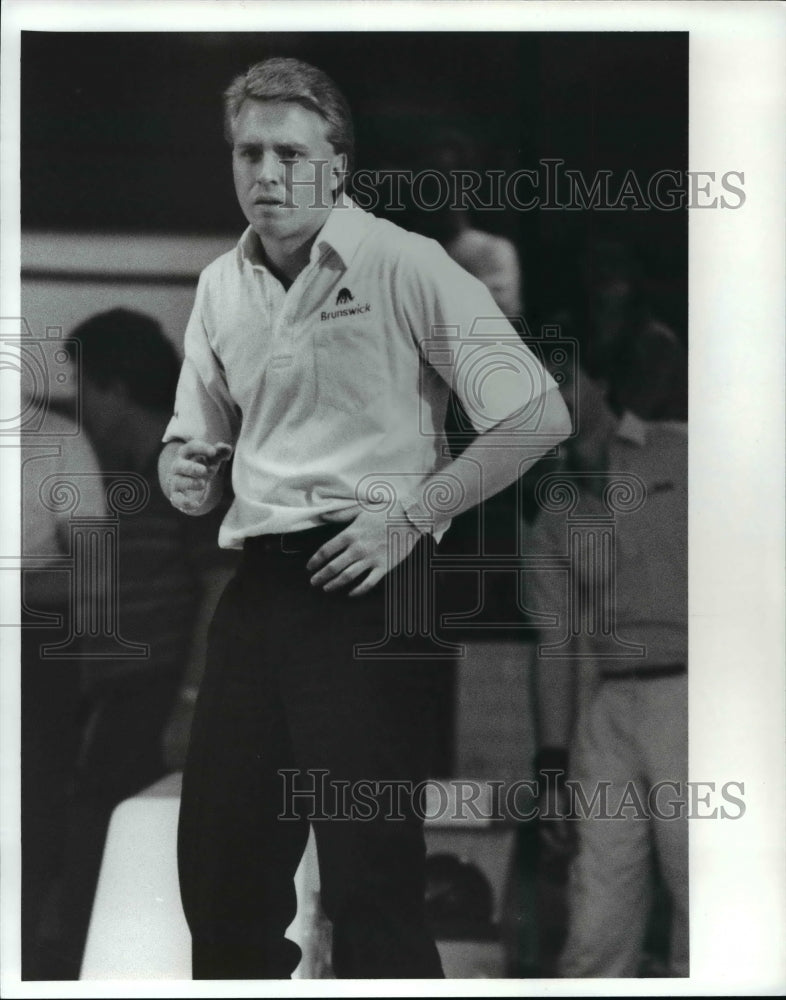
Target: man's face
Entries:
(285, 169)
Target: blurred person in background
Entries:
(492, 259)
(50, 688)
(623, 720)
(129, 373)
(608, 311)
(608, 307)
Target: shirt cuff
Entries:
(416, 514)
(426, 523)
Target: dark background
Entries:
(122, 132)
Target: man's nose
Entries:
(268, 169)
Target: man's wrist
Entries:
(417, 516)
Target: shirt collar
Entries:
(342, 232)
(248, 248)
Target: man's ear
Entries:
(338, 171)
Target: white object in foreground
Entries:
(137, 928)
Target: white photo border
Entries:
(736, 272)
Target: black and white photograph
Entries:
(392, 437)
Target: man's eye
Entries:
(288, 155)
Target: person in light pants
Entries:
(619, 725)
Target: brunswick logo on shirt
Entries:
(344, 296)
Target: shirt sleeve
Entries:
(204, 408)
(462, 333)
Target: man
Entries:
(613, 721)
(306, 353)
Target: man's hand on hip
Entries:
(361, 552)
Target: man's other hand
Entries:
(361, 552)
(194, 467)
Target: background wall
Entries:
(68, 277)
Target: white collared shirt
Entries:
(341, 383)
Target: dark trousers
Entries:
(284, 691)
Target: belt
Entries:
(644, 673)
(292, 543)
